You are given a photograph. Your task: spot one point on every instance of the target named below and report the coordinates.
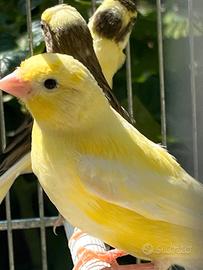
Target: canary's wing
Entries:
(147, 180)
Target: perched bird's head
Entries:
(113, 20)
(56, 17)
(65, 31)
(57, 89)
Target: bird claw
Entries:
(57, 223)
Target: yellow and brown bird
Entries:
(111, 26)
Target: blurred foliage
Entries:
(145, 80)
(178, 22)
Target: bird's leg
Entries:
(96, 257)
(87, 250)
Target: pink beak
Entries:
(12, 84)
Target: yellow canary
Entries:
(101, 173)
(65, 31)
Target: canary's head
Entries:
(57, 89)
(56, 16)
(65, 31)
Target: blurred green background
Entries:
(146, 104)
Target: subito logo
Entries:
(147, 249)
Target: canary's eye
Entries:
(50, 84)
(42, 26)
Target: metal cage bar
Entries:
(29, 26)
(9, 232)
(193, 89)
(93, 2)
(161, 72)
(42, 228)
(40, 191)
(129, 80)
(2, 124)
(27, 223)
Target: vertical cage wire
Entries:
(29, 26)
(161, 75)
(2, 122)
(40, 191)
(129, 90)
(93, 2)
(9, 233)
(7, 199)
(8, 203)
(42, 228)
(161, 72)
(129, 80)
(193, 88)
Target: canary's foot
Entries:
(58, 222)
(87, 255)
